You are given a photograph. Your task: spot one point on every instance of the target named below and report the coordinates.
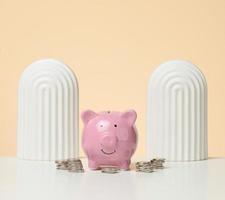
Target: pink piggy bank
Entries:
(109, 138)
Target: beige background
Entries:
(113, 46)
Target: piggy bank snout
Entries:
(109, 142)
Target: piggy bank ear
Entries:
(87, 115)
(130, 116)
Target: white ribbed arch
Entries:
(177, 112)
(48, 112)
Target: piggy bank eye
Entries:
(115, 125)
(102, 125)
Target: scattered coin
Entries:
(149, 166)
(72, 165)
(157, 163)
(75, 165)
(61, 164)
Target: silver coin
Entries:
(160, 160)
(73, 160)
(110, 170)
(60, 161)
(71, 164)
(141, 163)
(75, 167)
(62, 168)
(75, 164)
(62, 164)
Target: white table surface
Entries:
(35, 180)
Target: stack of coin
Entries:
(110, 169)
(157, 163)
(149, 166)
(75, 165)
(72, 165)
(144, 167)
(61, 164)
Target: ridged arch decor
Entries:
(47, 112)
(177, 112)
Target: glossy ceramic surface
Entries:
(109, 138)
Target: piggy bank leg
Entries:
(93, 165)
(125, 165)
